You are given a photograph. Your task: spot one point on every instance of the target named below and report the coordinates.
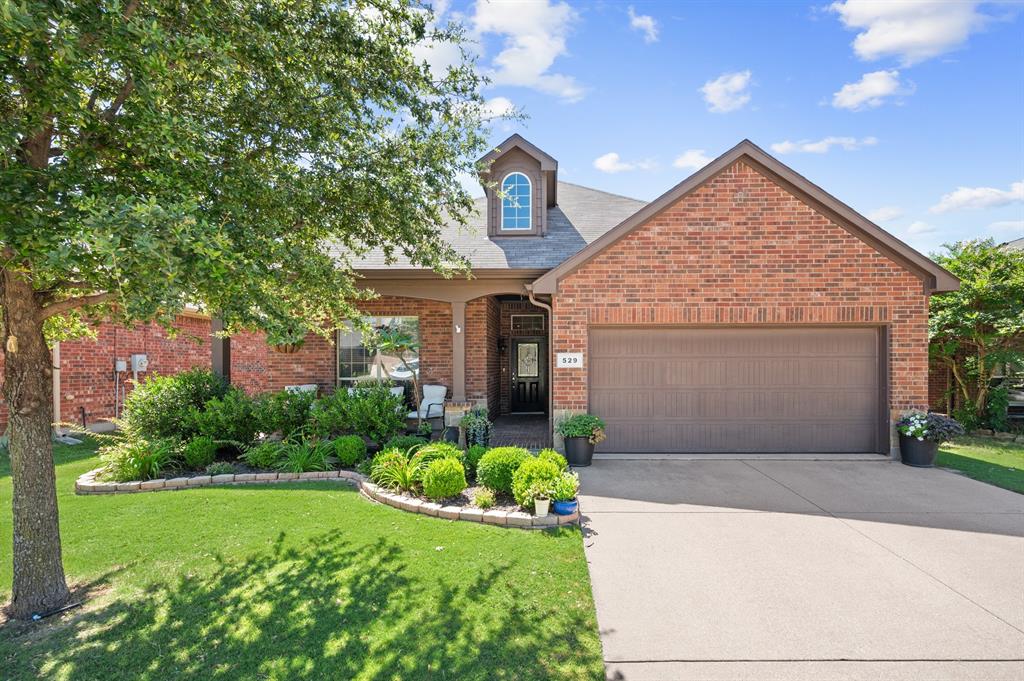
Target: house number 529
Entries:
(569, 360)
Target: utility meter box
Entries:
(140, 363)
(120, 366)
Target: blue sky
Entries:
(911, 112)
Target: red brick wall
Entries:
(743, 250)
(482, 378)
(87, 365)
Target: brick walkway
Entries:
(524, 431)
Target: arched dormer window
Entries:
(516, 203)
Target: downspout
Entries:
(551, 361)
(55, 354)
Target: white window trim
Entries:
(377, 367)
(501, 206)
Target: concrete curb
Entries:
(87, 484)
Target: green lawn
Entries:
(299, 581)
(998, 463)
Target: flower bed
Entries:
(88, 484)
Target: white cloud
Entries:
(612, 163)
(885, 214)
(920, 227)
(870, 91)
(1007, 226)
(823, 145)
(911, 30)
(497, 107)
(692, 159)
(963, 198)
(728, 92)
(535, 35)
(644, 23)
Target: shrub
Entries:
(301, 457)
(327, 415)
(199, 452)
(439, 450)
(484, 498)
(477, 427)
(582, 425)
(533, 470)
(554, 457)
(497, 466)
(444, 478)
(162, 406)
(127, 460)
(220, 468)
(349, 450)
(393, 469)
(405, 442)
(473, 455)
(374, 412)
(565, 487)
(265, 455)
(283, 412)
(997, 410)
(231, 417)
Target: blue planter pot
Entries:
(565, 507)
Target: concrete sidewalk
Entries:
(803, 570)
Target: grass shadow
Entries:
(326, 609)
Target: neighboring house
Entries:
(743, 310)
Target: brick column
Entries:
(458, 352)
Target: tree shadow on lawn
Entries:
(328, 609)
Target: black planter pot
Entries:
(919, 453)
(578, 451)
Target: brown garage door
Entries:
(736, 390)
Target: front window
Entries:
(357, 362)
(516, 201)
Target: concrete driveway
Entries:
(803, 570)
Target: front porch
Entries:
(521, 430)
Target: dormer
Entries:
(521, 183)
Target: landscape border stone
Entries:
(88, 484)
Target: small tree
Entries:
(973, 329)
(237, 156)
(400, 343)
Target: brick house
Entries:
(743, 310)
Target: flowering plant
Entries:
(932, 427)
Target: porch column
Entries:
(220, 347)
(458, 351)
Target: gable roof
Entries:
(935, 278)
(581, 217)
(517, 141)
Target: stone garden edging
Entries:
(87, 484)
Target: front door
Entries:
(529, 375)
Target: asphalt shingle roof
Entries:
(581, 216)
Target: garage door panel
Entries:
(736, 390)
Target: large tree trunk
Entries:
(39, 584)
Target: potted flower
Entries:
(921, 434)
(287, 339)
(581, 433)
(540, 491)
(564, 489)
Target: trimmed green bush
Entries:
(554, 457)
(328, 416)
(444, 478)
(497, 466)
(199, 452)
(473, 456)
(405, 442)
(372, 411)
(439, 450)
(231, 417)
(349, 450)
(163, 406)
(220, 468)
(283, 412)
(265, 455)
(533, 470)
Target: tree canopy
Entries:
(981, 324)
